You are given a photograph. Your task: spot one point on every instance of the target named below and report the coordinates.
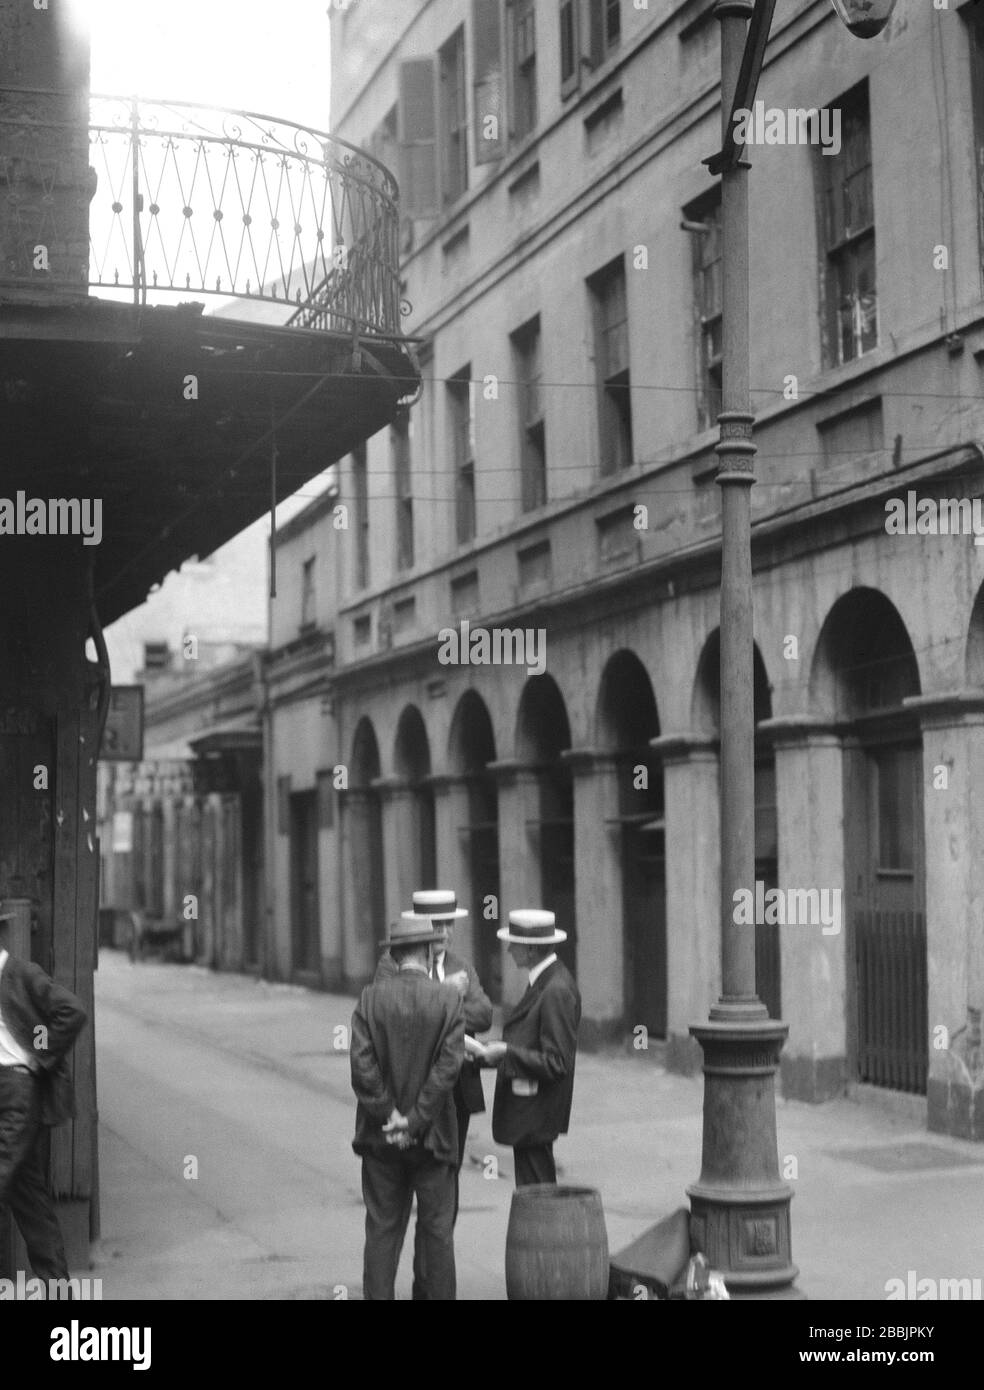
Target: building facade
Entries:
(496, 651)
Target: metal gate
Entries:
(892, 985)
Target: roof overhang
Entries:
(96, 402)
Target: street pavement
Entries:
(226, 1168)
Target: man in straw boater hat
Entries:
(535, 1084)
(440, 905)
(407, 1049)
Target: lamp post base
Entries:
(739, 1205)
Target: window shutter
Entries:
(283, 805)
(570, 46)
(596, 27)
(418, 168)
(489, 106)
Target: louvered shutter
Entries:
(416, 128)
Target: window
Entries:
(590, 31)
(454, 119)
(612, 366)
(570, 46)
(848, 235)
(360, 494)
(532, 429)
(522, 38)
(416, 123)
(462, 431)
(400, 441)
(383, 142)
(307, 594)
(487, 62)
(706, 246)
(976, 21)
(606, 28)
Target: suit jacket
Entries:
(30, 999)
(408, 1043)
(542, 1043)
(469, 1095)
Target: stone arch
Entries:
(627, 719)
(471, 751)
(543, 734)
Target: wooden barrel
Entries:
(556, 1244)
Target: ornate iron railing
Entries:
(193, 199)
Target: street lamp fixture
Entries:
(864, 18)
(739, 1205)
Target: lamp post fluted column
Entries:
(739, 1205)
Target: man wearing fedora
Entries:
(407, 1048)
(535, 1084)
(440, 906)
(39, 1022)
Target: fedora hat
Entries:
(532, 926)
(412, 930)
(435, 904)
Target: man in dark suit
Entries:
(39, 1022)
(407, 1049)
(440, 906)
(535, 1084)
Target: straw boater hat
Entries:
(438, 904)
(531, 926)
(412, 930)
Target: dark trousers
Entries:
(462, 1115)
(390, 1181)
(534, 1163)
(22, 1181)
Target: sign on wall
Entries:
(122, 739)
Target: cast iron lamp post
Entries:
(739, 1204)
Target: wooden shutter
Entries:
(417, 129)
(490, 112)
(283, 805)
(570, 46)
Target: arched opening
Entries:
(472, 749)
(542, 734)
(411, 760)
(863, 670)
(707, 718)
(627, 720)
(364, 812)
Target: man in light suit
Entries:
(407, 1049)
(440, 906)
(535, 1084)
(39, 1022)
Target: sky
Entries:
(270, 56)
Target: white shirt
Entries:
(439, 967)
(11, 1052)
(538, 970)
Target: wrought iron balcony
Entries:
(200, 201)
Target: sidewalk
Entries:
(875, 1195)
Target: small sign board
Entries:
(122, 740)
